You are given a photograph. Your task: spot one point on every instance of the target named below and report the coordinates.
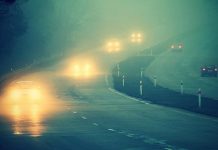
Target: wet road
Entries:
(94, 116)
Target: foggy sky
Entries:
(78, 25)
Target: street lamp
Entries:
(136, 37)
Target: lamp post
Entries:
(118, 70)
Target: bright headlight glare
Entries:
(35, 93)
(15, 94)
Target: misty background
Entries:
(36, 29)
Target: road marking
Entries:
(121, 94)
(168, 148)
(132, 98)
(130, 135)
(95, 124)
(114, 91)
(190, 114)
(144, 102)
(83, 117)
(112, 130)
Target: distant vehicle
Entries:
(82, 70)
(209, 71)
(177, 47)
(27, 90)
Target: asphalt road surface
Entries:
(96, 117)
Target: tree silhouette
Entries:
(12, 25)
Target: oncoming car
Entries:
(209, 71)
(24, 90)
(82, 70)
(176, 47)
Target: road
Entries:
(94, 116)
(185, 65)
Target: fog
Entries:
(56, 26)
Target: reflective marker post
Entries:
(181, 87)
(155, 81)
(142, 73)
(123, 80)
(140, 88)
(118, 70)
(199, 97)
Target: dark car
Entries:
(209, 71)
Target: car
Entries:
(24, 90)
(209, 71)
(177, 47)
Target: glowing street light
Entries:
(136, 37)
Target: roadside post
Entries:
(140, 88)
(123, 81)
(155, 81)
(199, 97)
(118, 70)
(181, 87)
(141, 73)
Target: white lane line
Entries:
(177, 110)
(83, 117)
(121, 94)
(112, 130)
(95, 124)
(132, 98)
(154, 105)
(130, 135)
(116, 92)
(168, 148)
(144, 102)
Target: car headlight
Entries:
(15, 94)
(35, 93)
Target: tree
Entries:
(12, 25)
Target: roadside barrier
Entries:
(131, 81)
